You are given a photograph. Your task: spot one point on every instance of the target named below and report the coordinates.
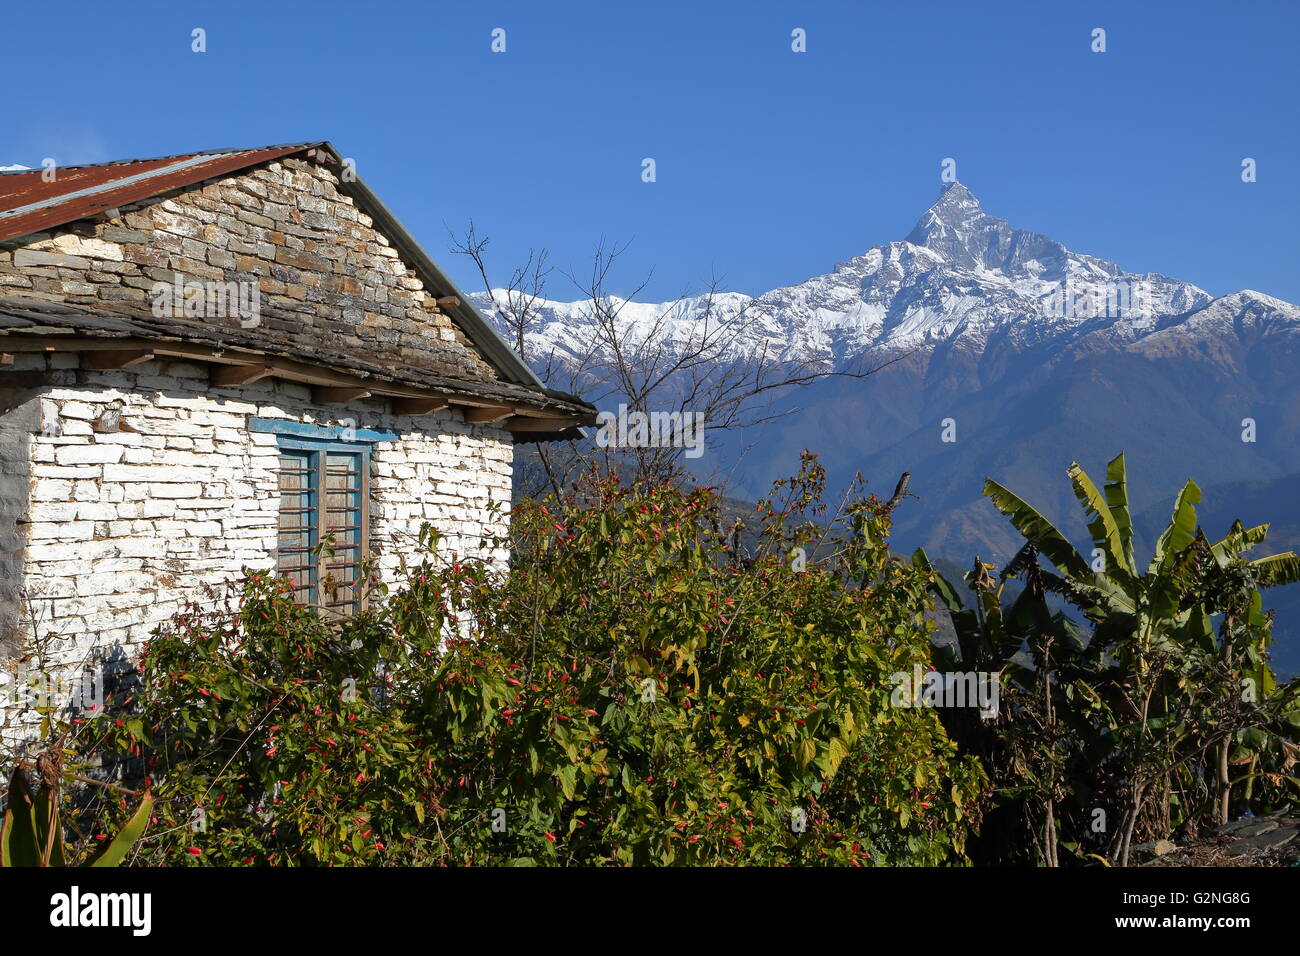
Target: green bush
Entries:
(630, 693)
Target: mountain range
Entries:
(1009, 357)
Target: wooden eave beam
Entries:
(288, 369)
(6, 358)
(236, 366)
(227, 375)
(488, 415)
(334, 395)
(544, 412)
(445, 302)
(114, 360)
(520, 423)
(419, 406)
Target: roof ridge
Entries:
(219, 151)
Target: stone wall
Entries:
(143, 488)
(326, 276)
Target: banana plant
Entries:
(32, 832)
(1027, 750)
(1153, 645)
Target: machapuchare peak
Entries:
(956, 213)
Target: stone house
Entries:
(220, 361)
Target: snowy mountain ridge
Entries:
(961, 278)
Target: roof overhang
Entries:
(113, 340)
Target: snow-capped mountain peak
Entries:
(961, 277)
(958, 229)
(956, 211)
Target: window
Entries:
(324, 488)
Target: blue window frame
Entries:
(323, 521)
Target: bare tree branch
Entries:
(696, 356)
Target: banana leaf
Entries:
(1182, 527)
(1038, 531)
(1102, 526)
(1117, 501)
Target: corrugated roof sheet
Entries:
(30, 204)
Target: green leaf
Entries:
(1182, 528)
(942, 587)
(964, 620)
(1105, 532)
(112, 852)
(1117, 502)
(569, 781)
(1038, 530)
(18, 844)
(49, 826)
(1276, 570)
(805, 751)
(835, 756)
(1237, 541)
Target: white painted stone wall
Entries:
(125, 527)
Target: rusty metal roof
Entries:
(30, 204)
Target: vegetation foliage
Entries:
(632, 693)
(635, 691)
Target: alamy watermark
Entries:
(1108, 300)
(652, 430)
(76, 908)
(952, 689)
(42, 691)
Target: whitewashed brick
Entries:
(88, 454)
(125, 528)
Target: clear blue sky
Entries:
(772, 166)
